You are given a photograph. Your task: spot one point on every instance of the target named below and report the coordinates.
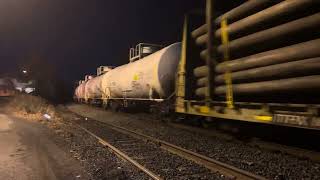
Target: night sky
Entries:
(76, 36)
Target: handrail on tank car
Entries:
(138, 53)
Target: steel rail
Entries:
(255, 142)
(123, 155)
(214, 165)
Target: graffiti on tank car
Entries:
(137, 79)
(136, 85)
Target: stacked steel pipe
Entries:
(291, 67)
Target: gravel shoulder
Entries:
(28, 152)
(41, 141)
(273, 165)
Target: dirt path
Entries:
(27, 152)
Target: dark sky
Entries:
(76, 36)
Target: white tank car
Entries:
(93, 88)
(76, 92)
(151, 77)
(80, 91)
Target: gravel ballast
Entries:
(272, 165)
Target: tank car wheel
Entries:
(90, 101)
(206, 122)
(180, 118)
(105, 105)
(114, 106)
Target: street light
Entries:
(25, 71)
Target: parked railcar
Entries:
(6, 88)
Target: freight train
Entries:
(258, 62)
(148, 77)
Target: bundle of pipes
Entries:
(291, 68)
(274, 86)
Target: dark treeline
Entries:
(48, 83)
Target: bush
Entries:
(32, 105)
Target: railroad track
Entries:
(270, 146)
(160, 159)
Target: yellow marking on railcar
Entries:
(263, 118)
(204, 109)
(226, 54)
(136, 77)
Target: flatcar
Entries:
(258, 62)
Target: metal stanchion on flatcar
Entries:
(226, 54)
